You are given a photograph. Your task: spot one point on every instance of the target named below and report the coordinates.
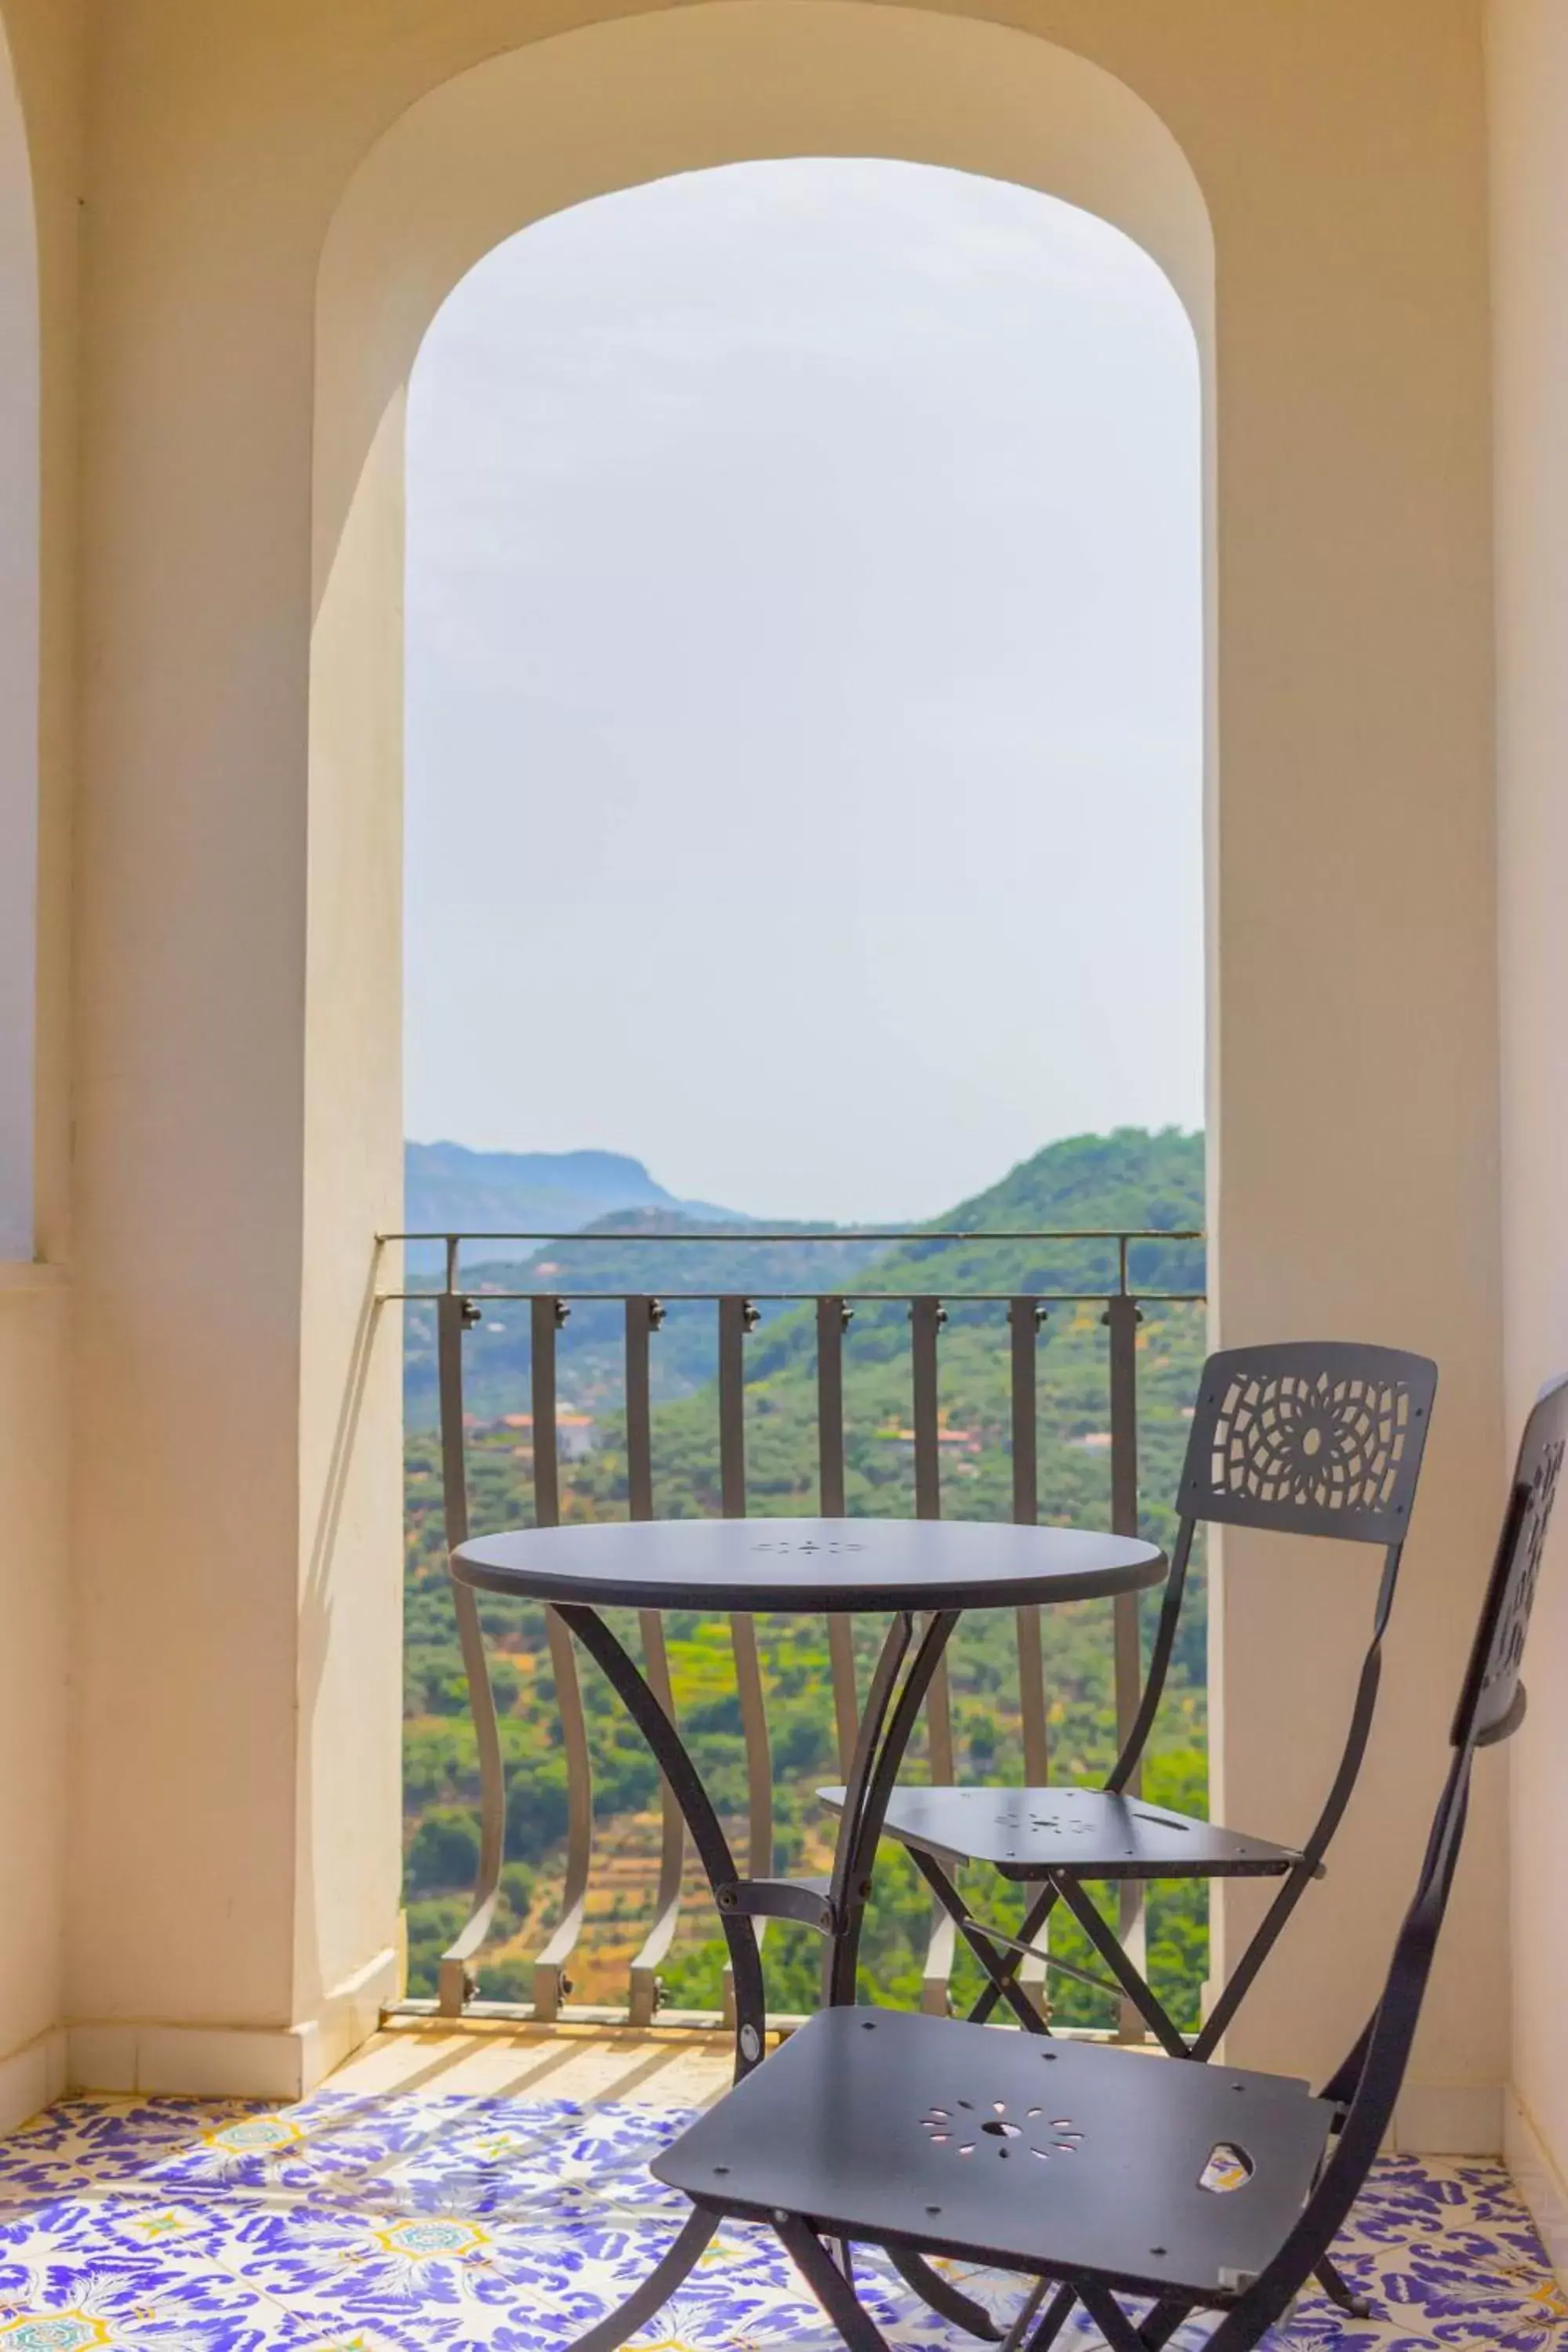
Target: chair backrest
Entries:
(1310, 1436)
(1491, 1708)
(1491, 1704)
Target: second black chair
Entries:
(1309, 1438)
(1150, 2194)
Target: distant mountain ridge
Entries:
(449, 1189)
(1129, 1179)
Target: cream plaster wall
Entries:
(234, 1842)
(19, 488)
(1529, 62)
(39, 188)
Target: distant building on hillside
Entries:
(573, 1432)
(957, 1441)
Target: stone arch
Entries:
(19, 359)
(530, 132)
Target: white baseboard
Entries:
(30, 2077)
(208, 2062)
(1537, 2179)
(1449, 2119)
(351, 2013)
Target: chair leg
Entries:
(1238, 1984)
(1162, 2324)
(1141, 1995)
(1014, 2339)
(1034, 1918)
(1109, 2318)
(1055, 2320)
(948, 2301)
(1339, 2292)
(989, 1955)
(828, 2284)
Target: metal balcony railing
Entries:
(458, 1312)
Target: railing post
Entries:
(546, 1317)
(1025, 1319)
(833, 1320)
(927, 1316)
(644, 1316)
(643, 1319)
(455, 1980)
(737, 1318)
(552, 1985)
(1026, 1316)
(1122, 1318)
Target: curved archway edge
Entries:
(613, 105)
(1349, 700)
(528, 133)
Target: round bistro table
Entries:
(923, 1574)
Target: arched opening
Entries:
(805, 579)
(18, 667)
(480, 159)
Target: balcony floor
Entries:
(453, 2190)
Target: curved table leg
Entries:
(745, 1960)
(878, 1756)
(707, 1831)
(885, 1734)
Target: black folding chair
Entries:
(1096, 2172)
(1311, 1438)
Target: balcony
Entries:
(224, 233)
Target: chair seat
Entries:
(1003, 2147)
(1087, 1833)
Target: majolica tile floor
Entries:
(447, 2192)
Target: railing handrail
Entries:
(831, 1233)
(960, 1298)
(1122, 1235)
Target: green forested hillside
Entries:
(1124, 1180)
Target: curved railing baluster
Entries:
(656, 1944)
(1024, 1317)
(927, 1316)
(737, 1319)
(1122, 1318)
(643, 1318)
(455, 1979)
(833, 1318)
(552, 1985)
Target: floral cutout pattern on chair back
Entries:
(1310, 1437)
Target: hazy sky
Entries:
(804, 688)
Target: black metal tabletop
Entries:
(809, 1565)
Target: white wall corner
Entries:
(1449, 2119)
(1538, 2179)
(212, 2062)
(350, 2014)
(30, 2077)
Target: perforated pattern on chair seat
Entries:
(1130, 2167)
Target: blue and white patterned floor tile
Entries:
(427, 2224)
